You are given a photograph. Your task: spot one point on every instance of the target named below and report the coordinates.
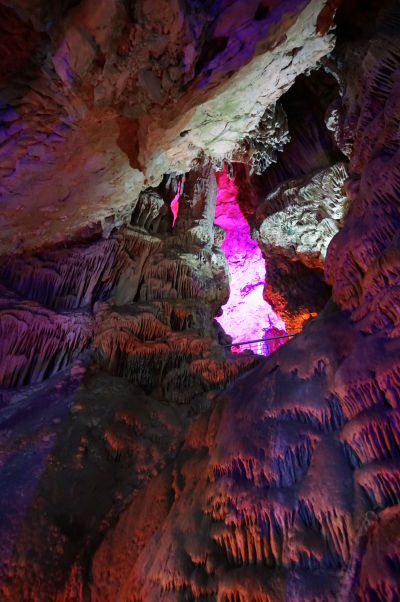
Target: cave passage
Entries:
(246, 316)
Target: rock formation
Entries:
(141, 460)
(247, 316)
(105, 97)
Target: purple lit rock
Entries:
(246, 316)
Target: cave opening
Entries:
(246, 317)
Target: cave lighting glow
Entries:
(246, 316)
(175, 204)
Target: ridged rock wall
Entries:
(108, 351)
(297, 203)
(124, 475)
(289, 488)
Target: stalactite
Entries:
(36, 342)
(66, 279)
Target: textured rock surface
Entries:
(301, 219)
(108, 352)
(103, 98)
(289, 488)
(298, 203)
(126, 474)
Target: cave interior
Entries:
(200, 300)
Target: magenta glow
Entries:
(246, 316)
(175, 204)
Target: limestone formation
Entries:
(300, 219)
(296, 489)
(143, 458)
(104, 98)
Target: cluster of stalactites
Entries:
(290, 487)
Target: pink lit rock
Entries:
(246, 316)
(175, 204)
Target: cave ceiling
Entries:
(102, 98)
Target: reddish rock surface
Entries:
(141, 460)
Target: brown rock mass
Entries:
(140, 459)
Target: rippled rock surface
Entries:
(140, 460)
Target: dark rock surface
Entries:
(140, 460)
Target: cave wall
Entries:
(297, 202)
(108, 352)
(126, 474)
(288, 489)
